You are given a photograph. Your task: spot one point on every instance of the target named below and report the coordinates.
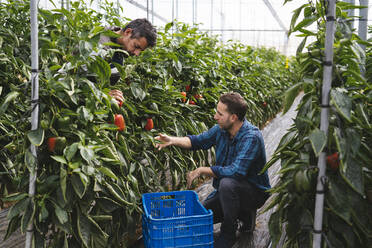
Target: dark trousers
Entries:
(233, 200)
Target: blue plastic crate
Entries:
(176, 219)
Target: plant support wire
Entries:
(326, 87)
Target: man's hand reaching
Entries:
(191, 176)
(117, 95)
(165, 139)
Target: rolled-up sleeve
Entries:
(204, 140)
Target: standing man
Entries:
(134, 38)
(240, 156)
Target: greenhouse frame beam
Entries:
(140, 6)
(275, 15)
(240, 29)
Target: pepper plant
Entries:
(91, 174)
(347, 217)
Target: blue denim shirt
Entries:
(242, 157)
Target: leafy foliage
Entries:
(346, 218)
(91, 176)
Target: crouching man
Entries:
(240, 189)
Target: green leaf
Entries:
(290, 95)
(352, 173)
(86, 153)
(85, 48)
(338, 201)
(14, 197)
(62, 181)
(107, 204)
(10, 97)
(84, 114)
(305, 23)
(59, 159)
(84, 229)
(108, 172)
(61, 214)
(36, 136)
(30, 160)
(137, 91)
(28, 216)
(13, 225)
(342, 102)
(301, 46)
(19, 207)
(168, 26)
(70, 151)
(362, 114)
(55, 67)
(274, 227)
(78, 185)
(318, 141)
(295, 16)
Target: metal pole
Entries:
(152, 11)
(147, 10)
(211, 16)
(172, 16)
(193, 12)
(222, 20)
(34, 107)
(363, 13)
(326, 87)
(177, 10)
(172, 10)
(240, 20)
(196, 11)
(362, 31)
(350, 13)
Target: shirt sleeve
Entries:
(247, 151)
(204, 140)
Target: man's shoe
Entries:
(249, 224)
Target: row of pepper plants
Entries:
(97, 157)
(347, 217)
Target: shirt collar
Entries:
(246, 125)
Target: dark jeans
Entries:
(233, 200)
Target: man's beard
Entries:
(227, 126)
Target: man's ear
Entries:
(234, 117)
(127, 32)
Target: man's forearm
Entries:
(183, 142)
(206, 171)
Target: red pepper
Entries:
(183, 93)
(188, 87)
(149, 124)
(192, 102)
(333, 161)
(51, 144)
(197, 96)
(56, 144)
(119, 122)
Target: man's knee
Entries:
(227, 186)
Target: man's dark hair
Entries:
(235, 104)
(142, 28)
